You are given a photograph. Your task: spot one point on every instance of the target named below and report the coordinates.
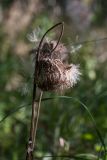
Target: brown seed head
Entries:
(52, 73)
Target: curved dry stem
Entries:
(39, 47)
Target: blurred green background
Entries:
(64, 126)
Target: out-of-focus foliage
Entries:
(64, 126)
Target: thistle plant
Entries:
(52, 73)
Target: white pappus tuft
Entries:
(75, 49)
(34, 35)
(72, 75)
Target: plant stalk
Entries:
(36, 105)
(34, 124)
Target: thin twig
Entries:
(89, 41)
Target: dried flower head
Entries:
(52, 74)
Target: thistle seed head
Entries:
(52, 73)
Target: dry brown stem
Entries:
(36, 106)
